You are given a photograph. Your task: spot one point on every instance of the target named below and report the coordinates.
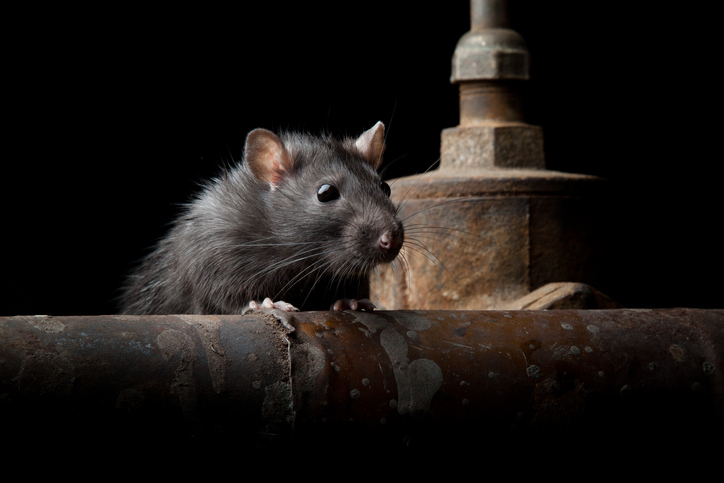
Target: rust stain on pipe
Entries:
(395, 377)
(495, 372)
(116, 377)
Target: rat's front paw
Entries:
(268, 304)
(353, 304)
(280, 310)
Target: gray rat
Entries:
(301, 220)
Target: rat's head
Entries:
(326, 198)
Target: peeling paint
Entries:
(45, 323)
(208, 332)
(414, 322)
(308, 363)
(372, 322)
(173, 342)
(417, 381)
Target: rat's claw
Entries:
(280, 310)
(353, 304)
(268, 304)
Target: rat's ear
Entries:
(266, 156)
(371, 144)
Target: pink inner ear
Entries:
(271, 159)
(278, 162)
(267, 157)
(277, 175)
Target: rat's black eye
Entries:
(385, 188)
(327, 193)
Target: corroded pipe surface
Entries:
(397, 378)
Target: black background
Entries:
(113, 117)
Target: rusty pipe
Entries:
(489, 63)
(484, 102)
(394, 377)
(488, 14)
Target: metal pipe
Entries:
(490, 101)
(393, 378)
(487, 14)
(489, 63)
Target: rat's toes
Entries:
(353, 304)
(366, 305)
(269, 304)
(286, 307)
(280, 310)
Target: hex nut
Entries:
(494, 145)
(490, 54)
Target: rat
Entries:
(298, 224)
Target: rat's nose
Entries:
(389, 244)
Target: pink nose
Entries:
(389, 241)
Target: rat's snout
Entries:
(389, 244)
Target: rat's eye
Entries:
(385, 188)
(327, 193)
